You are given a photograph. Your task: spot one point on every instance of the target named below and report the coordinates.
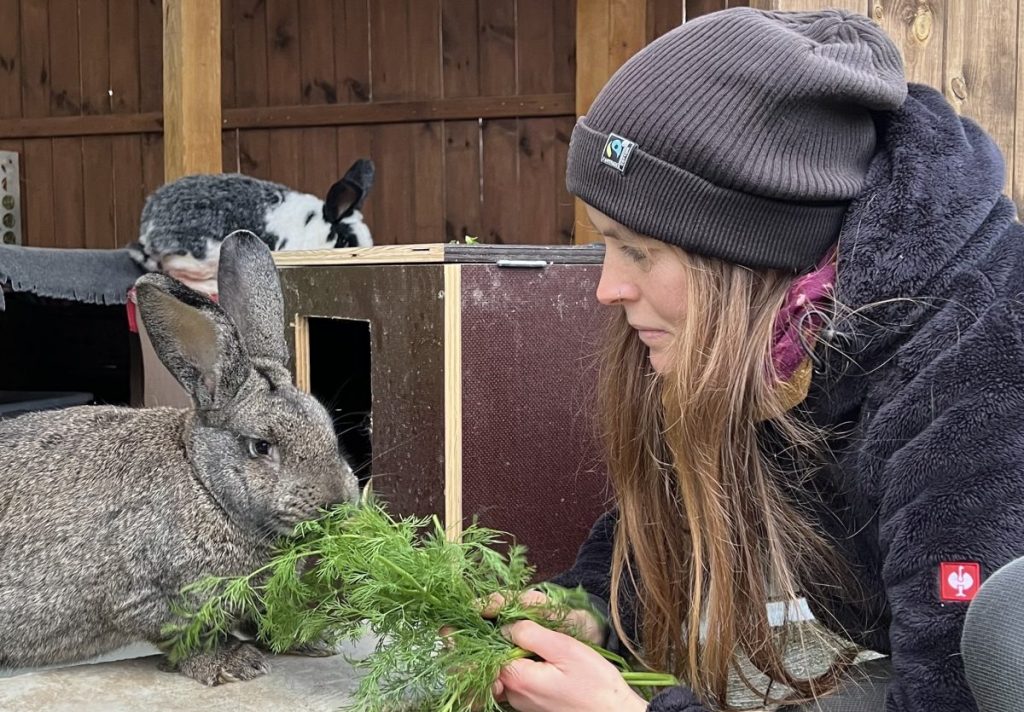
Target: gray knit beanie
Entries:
(742, 134)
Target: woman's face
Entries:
(646, 278)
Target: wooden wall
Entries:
(465, 105)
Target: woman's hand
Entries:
(571, 677)
(580, 624)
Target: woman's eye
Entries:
(259, 448)
(633, 253)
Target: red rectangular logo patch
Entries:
(959, 581)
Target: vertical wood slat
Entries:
(192, 111)
(10, 63)
(65, 99)
(97, 158)
(126, 150)
(352, 50)
(284, 86)
(499, 219)
(920, 31)
(663, 15)
(319, 86)
(1017, 177)
(861, 6)
(250, 36)
(460, 52)
(608, 32)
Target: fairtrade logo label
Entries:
(616, 152)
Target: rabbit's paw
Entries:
(243, 662)
(315, 649)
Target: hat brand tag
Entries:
(616, 152)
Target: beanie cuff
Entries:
(658, 199)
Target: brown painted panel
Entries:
(462, 179)
(39, 195)
(151, 57)
(227, 54)
(663, 15)
(499, 214)
(529, 456)
(405, 307)
(497, 47)
(460, 48)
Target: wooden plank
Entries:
(35, 60)
(1017, 175)
(129, 187)
(499, 215)
(302, 353)
(128, 180)
(627, 25)
(97, 152)
(460, 48)
(152, 162)
(379, 254)
(352, 56)
(988, 70)
(425, 49)
(10, 62)
(462, 192)
(39, 194)
(355, 142)
(428, 183)
(151, 56)
(390, 59)
(393, 222)
(69, 200)
(65, 67)
(565, 218)
(94, 57)
(862, 6)
(250, 24)
(229, 151)
(535, 46)
(456, 109)
(227, 55)
(536, 193)
(565, 46)
(696, 8)
(920, 31)
(664, 15)
(607, 33)
(497, 45)
(98, 193)
(124, 57)
(319, 86)
(453, 401)
(284, 86)
(192, 111)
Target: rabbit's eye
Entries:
(259, 448)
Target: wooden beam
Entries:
(192, 111)
(608, 32)
(302, 116)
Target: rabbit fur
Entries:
(107, 512)
(184, 222)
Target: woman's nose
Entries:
(614, 287)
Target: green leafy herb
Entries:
(356, 571)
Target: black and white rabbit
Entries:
(107, 512)
(184, 222)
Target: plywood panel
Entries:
(404, 305)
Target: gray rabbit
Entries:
(107, 512)
(184, 222)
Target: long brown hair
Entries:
(704, 526)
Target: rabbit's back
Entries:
(96, 533)
(186, 214)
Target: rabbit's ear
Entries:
(349, 193)
(250, 293)
(194, 339)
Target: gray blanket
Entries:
(89, 276)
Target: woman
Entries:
(815, 383)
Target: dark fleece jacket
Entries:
(927, 386)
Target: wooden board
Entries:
(404, 305)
